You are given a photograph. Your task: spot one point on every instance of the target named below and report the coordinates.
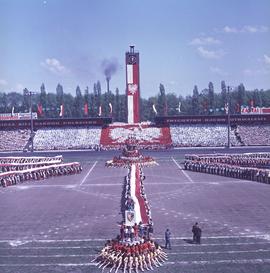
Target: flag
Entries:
(86, 109)
(99, 111)
(154, 109)
(110, 105)
(226, 107)
(61, 114)
(12, 111)
(179, 107)
(39, 109)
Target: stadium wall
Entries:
(221, 119)
(39, 123)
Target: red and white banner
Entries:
(39, 109)
(133, 93)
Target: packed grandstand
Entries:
(149, 136)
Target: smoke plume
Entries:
(109, 67)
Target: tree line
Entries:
(96, 103)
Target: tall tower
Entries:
(133, 86)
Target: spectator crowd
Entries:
(201, 135)
(152, 138)
(67, 138)
(13, 140)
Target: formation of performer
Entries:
(15, 170)
(133, 249)
(131, 155)
(250, 166)
(128, 257)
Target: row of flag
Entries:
(86, 110)
(61, 112)
(178, 109)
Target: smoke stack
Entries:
(108, 84)
(131, 49)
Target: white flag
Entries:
(154, 109)
(110, 105)
(12, 111)
(99, 111)
(179, 107)
(61, 114)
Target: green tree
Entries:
(26, 101)
(59, 94)
(211, 97)
(223, 93)
(195, 101)
(117, 105)
(241, 94)
(78, 103)
(43, 98)
(161, 101)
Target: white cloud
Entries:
(3, 82)
(255, 72)
(54, 66)
(254, 29)
(230, 29)
(266, 59)
(210, 54)
(246, 29)
(205, 41)
(218, 71)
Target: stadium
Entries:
(61, 204)
(122, 178)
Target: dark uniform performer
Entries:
(168, 238)
(197, 233)
(194, 231)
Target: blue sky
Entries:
(181, 43)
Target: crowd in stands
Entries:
(254, 134)
(250, 166)
(152, 138)
(15, 170)
(68, 138)
(13, 140)
(201, 135)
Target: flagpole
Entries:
(30, 93)
(228, 116)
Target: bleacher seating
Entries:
(201, 135)
(254, 134)
(13, 140)
(67, 138)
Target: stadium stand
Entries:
(68, 138)
(254, 134)
(13, 140)
(201, 135)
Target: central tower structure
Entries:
(133, 86)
